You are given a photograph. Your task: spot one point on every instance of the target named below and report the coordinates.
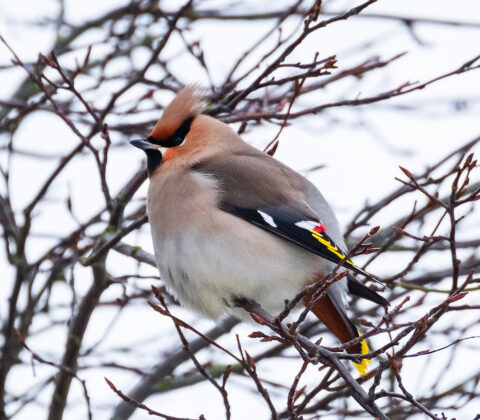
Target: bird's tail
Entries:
(335, 319)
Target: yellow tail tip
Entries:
(362, 366)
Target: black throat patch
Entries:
(154, 158)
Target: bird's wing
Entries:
(272, 196)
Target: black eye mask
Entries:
(149, 145)
(177, 138)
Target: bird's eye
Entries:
(178, 138)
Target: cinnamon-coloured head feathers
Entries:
(187, 104)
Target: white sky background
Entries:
(361, 164)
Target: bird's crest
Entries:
(186, 104)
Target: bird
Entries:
(230, 222)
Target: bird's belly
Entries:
(207, 266)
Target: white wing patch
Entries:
(267, 218)
(307, 224)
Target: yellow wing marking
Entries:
(330, 247)
(334, 250)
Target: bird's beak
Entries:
(143, 144)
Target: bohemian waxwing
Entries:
(229, 222)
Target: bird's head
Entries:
(171, 132)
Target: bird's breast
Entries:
(207, 256)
